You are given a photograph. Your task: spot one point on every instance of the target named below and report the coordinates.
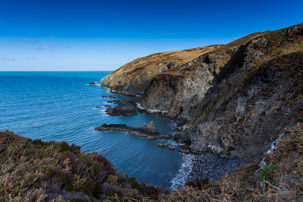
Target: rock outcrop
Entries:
(124, 108)
(235, 99)
(147, 131)
(93, 83)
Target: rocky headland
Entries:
(233, 100)
(133, 78)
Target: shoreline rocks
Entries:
(171, 147)
(93, 83)
(110, 96)
(124, 108)
(162, 144)
(147, 131)
(113, 101)
(184, 149)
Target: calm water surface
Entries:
(61, 106)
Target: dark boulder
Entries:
(184, 149)
(93, 83)
(124, 108)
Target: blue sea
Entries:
(61, 106)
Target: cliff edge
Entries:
(134, 77)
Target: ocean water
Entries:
(60, 106)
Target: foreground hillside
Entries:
(54, 171)
(45, 171)
(234, 100)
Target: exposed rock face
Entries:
(124, 108)
(236, 109)
(236, 99)
(251, 104)
(134, 77)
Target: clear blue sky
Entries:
(103, 35)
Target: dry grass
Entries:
(181, 56)
(43, 171)
(142, 70)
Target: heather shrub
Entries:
(50, 171)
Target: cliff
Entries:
(134, 77)
(235, 99)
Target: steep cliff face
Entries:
(134, 77)
(235, 99)
(175, 93)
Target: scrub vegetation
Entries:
(54, 171)
(46, 171)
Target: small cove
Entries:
(60, 106)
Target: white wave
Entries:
(150, 110)
(272, 148)
(103, 112)
(183, 173)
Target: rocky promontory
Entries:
(134, 77)
(233, 99)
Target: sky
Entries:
(97, 35)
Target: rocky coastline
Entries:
(233, 100)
